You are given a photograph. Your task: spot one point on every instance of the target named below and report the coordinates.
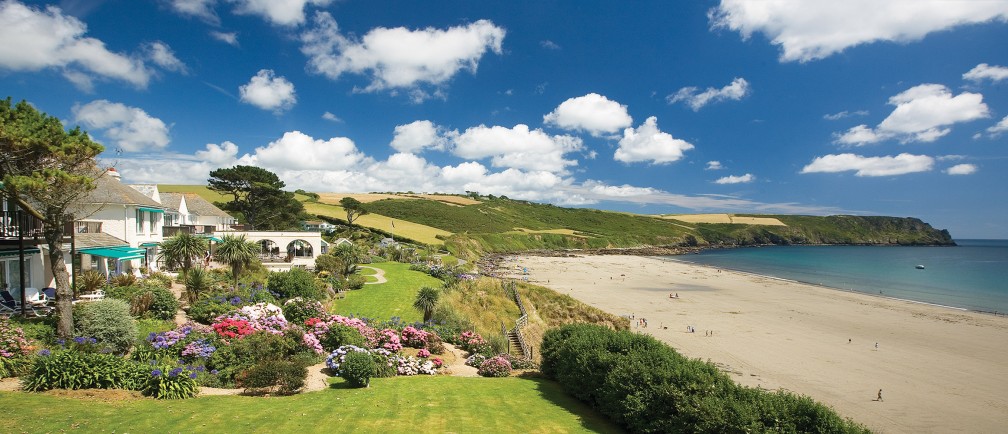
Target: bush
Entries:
(177, 383)
(124, 279)
(281, 377)
(298, 310)
(108, 321)
(294, 283)
(358, 368)
(71, 369)
(163, 305)
(89, 281)
(497, 366)
(158, 279)
(646, 386)
(208, 309)
(241, 354)
(340, 335)
(355, 282)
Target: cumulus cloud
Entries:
(162, 55)
(517, 147)
(870, 166)
(808, 31)
(735, 91)
(36, 39)
(732, 179)
(399, 58)
(130, 129)
(416, 136)
(714, 165)
(268, 92)
(647, 143)
(299, 151)
(999, 128)
(331, 117)
(222, 154)
(844, 114)
(620, 190)
(923, 113)
(230, 38)
(549, 45)
(961, 169)
(279, 12)
(984, 71)
(593, 113)
(202, 9)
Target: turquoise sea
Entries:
(973, 275)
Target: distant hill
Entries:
(470, 226)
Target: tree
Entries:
(353, 207)
(47, 171)
(426, 301)
(237, 252)
(257, 196)
(181, 250)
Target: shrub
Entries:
(176, 383)
(497, 366)
(358, 368)
(230, 328)
(197, 282)
(294, 283)
(89, 281)
(241, 354)
(339, 335)
(206, 310)
(163, 304)
(472, 342)
(71, 369)
(298, 310)
(124, 279)
(281, 377)
(158, 279)
(108, 321)
(355, 282)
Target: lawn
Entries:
(395, 405)
(385, 300)
(413, 231)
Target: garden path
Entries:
(457, 367)
(379, 275)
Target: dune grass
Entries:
(394, 405)
(385, 300)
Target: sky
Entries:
(772, 106)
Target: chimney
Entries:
(112, 172)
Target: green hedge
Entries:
(646, 386)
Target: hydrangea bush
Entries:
(497, 366)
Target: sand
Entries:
(940, 369)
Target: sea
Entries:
(972, 275)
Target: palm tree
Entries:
(197, 281)
(181, 250)
(237, 252)
(426, 301)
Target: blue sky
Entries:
(849, 107)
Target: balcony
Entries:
(12, 223)
(170, 231)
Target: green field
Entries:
(385, 300)
(394, 405)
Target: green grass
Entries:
(201, 190)
(394, 405)
(385, 300)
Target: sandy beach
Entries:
(940, 369)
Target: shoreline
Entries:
(941, 368)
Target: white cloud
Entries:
(714, 165)
(222, 154)
(517, 147)
(999, 128)
(870, 166)
(621, 190)
(844, 114)
(230, 38)
(549, 45)
(961, 169)
(331, 117)
(923, 113)
(299, 151)
(400, 58)
(648, 143)
(735, 91)
(279, 12)
(130, 128)
(202, 9)
(732, 179)
(984, 71)
(810, 30)
(593, 113)
(36, 39)
(268, 92)
(416, 136)
(162, 55)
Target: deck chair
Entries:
(10, 304)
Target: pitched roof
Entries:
(194, 202)
(109, 190)
(97, 239)
(171, 201)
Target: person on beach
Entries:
(879, 399)
(876, 345)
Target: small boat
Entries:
(919, 267)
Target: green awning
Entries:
(211, 238)
(149, 245)
(154, 210)
(120, 253)
(27, 251)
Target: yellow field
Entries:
(422, 233)
(724, 218)
(334, 198)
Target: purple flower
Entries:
(44, 352)
(175, 372)
(192, 375)
(155, 373)
(214, 372)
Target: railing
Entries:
(522, 321)
(168, 231)
(12, 223)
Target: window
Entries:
(10, 274)
(139, 221)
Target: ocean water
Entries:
(973, 275)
